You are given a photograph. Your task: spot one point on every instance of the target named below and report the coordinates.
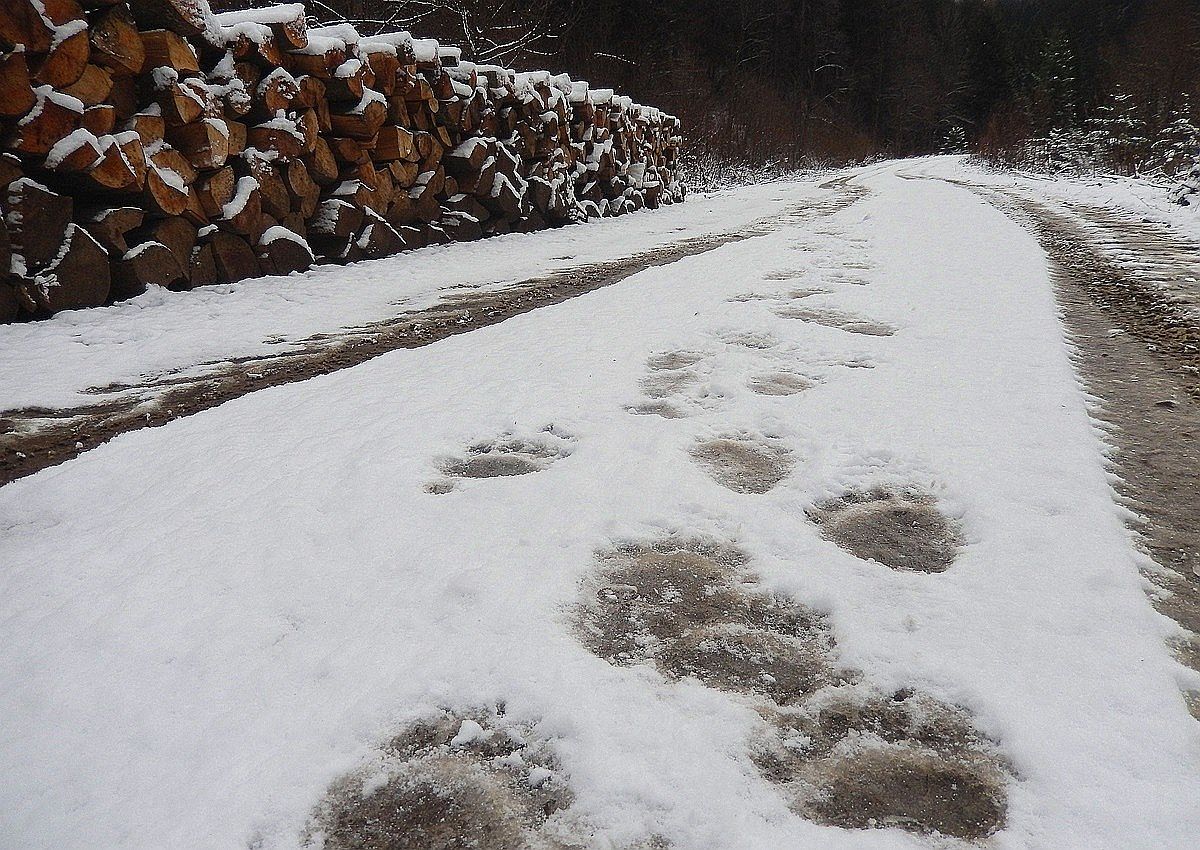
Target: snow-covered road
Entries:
(204, 626)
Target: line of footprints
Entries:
(840, 750)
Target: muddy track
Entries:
(32, 439)
(1129, 303)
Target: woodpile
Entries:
(153, 143)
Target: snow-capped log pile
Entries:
(151, 142)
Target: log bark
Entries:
(145, 265)
(77, 277)
(233, 258)
(38, 220)
(279, 252)
(16, 91)
(108, 226)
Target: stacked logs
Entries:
(153, 143)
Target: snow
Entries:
(246, 186)
(277, 232)
(67, 145)
(206, 623)
(281, 13)
(425, 50)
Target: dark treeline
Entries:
(844, 78)
(793, 80)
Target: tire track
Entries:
(32, 439)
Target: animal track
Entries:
(857, 758)
(505, 456)
(757, 340)
(473, 780)
(662, 384)
(686, 606)
(780, 383)
(842, 752)
(900, 529)
(669, 360)
(836, 319)
(743, 464)
(657, 408)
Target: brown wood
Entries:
(335, 219)
(394, 143)
(56, 117)
(203, 142)
(216, 190)
(77, 277)
(237, 137)
(270, 137)
(113, 172)
(10, 169)
(20, 23)
(361, 123)
(66, 61)
(305, 193)
(37, 220)
(166, 192)
(150, 128)
(108, 226)
(245, 219)
(180, 105)
(322, 167)
(176, 232)
(72, 154)
(186, 17)
(202, 268)
(273, 194)
(145, 265)
(233, 257)
(274, 93)
(92, 87)
(166, 49)
(115, 42)
(16, 91)
(281, 255)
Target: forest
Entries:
(1057, 84)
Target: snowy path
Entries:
(206, 624)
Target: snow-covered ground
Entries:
(203, 625)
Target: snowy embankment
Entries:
(206, 624)
(51, 363)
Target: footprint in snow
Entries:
(836, 319)
(504, 456)
(455, 780)
(688, 607)
(899, 528)
(780, 383)
(743, 463)
(668, 379)
(854, 757)
(842, 752)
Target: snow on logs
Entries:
(154, 143)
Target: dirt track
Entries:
(1132, 317)
(36, 438)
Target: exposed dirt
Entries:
(32, 439)
(455, 782)
(657, 408)
(1130, 302)
(688, 607)
(902, 529)
(836, 319)
(841, 752)
(857, 758)
(743, 464)
(780, 383)
(505, 456)
(663, 384)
